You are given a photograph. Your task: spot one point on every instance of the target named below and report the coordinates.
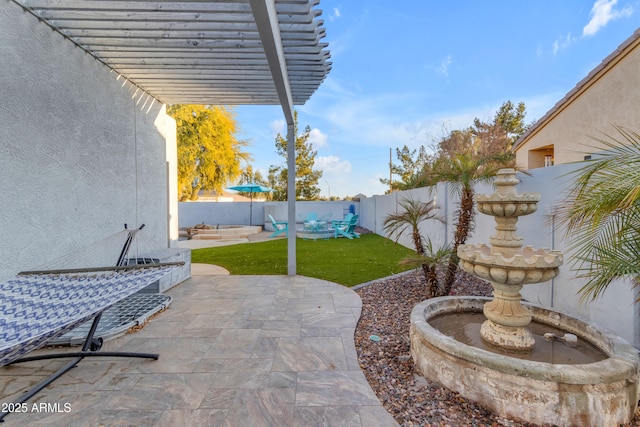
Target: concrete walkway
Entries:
(234, 351)
(205, 243)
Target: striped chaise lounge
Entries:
(37, 307)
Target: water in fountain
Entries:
(465, 327)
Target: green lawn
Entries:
(344, 261)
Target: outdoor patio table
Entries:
(315, 233)
(315, 225)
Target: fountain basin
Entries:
(509, 206)
(522, 266)
(586, 394)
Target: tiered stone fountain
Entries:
(507, 266)
(577, 376)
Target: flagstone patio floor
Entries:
(234, 351)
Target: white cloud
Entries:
(562, 43)
(601, 14)
(443, 68)
(364, 121)
(278, 127)
(337, 177)
(332, 165)
(335, 14)
(317, 138)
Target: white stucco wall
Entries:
(375, 209)
(81, 153)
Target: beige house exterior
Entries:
(609, 96)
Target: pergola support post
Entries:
(291, 199)
(264, 12)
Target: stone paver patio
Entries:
(234, 351)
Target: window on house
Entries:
(541, 157)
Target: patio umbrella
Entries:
(251, 188)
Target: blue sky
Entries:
(405, 72)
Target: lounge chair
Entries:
(340, 222)
(279, 227)
(346, 227)
(38, 307)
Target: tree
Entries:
(306, 177)
(498, 137)
(410, 168)
(248, 175)
(408, 220)
(209, 154)
(602, 215)
(463, 171)
(470, 156)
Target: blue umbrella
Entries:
(251, 188)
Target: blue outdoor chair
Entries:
(346, 227)
(279, 227)
(338, 222)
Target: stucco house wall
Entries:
(608, 96)
(81, 151)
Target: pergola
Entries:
(220, 52)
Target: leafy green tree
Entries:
(408, 220)
(306, 177)
(277, 178)
(410, 168)
(602, 215)
(209, 154)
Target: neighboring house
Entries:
(608, 96)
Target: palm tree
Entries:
(603, 215)
(429, 262)
(463, 171)
(408, 220)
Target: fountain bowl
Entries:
(589, 394)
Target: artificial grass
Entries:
(344, 261)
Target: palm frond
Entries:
(408, 219)
(602, 214)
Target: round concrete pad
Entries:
(208, 270)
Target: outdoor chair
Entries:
(346, 228)
(279, 227)
(40, 306)
(311, 216)
(315, 223)
(338, 222)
